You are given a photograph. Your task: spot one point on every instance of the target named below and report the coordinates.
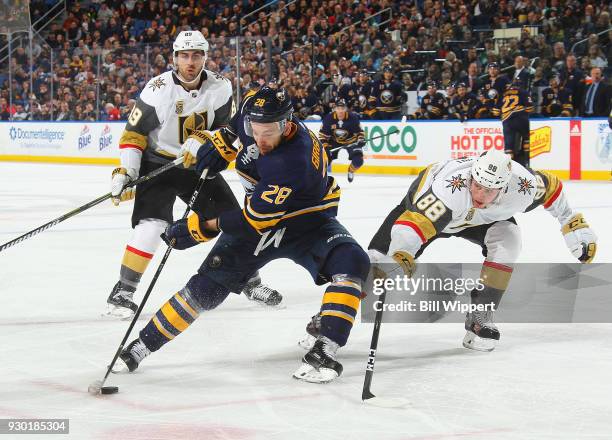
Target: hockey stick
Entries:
(96, 386)
(366, 395)
(366, 141)
(86, 206)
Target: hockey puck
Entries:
(109, 390)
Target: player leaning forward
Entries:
(475, 199)
(289, 212)
(171, 107)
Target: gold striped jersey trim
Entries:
(422, 182)
(423, 223)
(263, 216)
(129, 137)
(247, 177)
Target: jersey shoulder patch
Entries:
(157, 89)
(451, 183)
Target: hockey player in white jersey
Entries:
(172, 107)
(476, 198)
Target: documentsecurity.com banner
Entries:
(538, 293)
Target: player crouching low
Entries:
(476, 199)
(289, 212)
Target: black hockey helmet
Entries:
(271, 103)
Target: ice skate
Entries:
(120, 302)
(313, 330)
(482, 334)
(260, 293)
(130, 357)
(319, 365)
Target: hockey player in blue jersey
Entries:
(289, 212)
(341, 129)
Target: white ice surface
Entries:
(229, 375)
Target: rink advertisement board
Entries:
(596, 149)
(571, 148)
(405, 148)
(63, 142)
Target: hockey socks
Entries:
(140, 250)
(339, 308)
(178, 313)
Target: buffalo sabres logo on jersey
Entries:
(157, 83)
(340, 134)
(251, 153)
(386, 97)
(525, 185)
(363, 101)
(455, 183)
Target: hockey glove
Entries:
(187, 233)
(580, 239)
(214, 154)
(398, 264)
(120, 178)
(189, 151)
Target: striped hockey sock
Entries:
(339, 308)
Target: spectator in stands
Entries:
(596, 57)
(471, 79)
(572, 78)
(597, 95)
(423, 25)
(20, 113)
(5, 110)
(64, 114)
(521, 72)
(111, 113)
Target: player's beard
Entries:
(189, 74)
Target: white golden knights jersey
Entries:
(439, 202)
(166, 114)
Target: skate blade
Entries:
(120, 313)
(280, 306)
(475, 342)
(387, 402)
(310, 374)
(307, 342)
